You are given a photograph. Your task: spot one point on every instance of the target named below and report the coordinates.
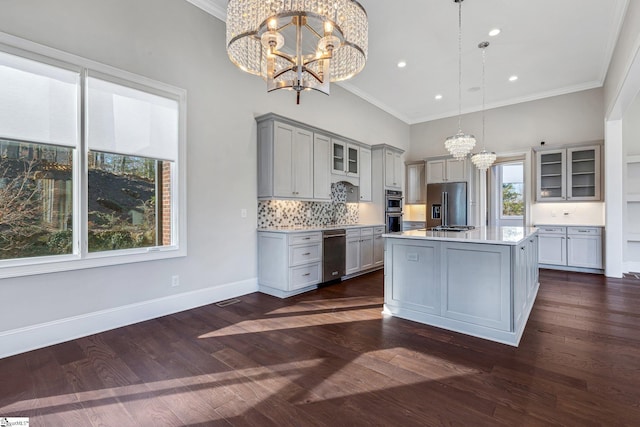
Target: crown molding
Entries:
(211, 8)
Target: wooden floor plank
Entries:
(329, 357)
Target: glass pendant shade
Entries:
(460, 144)
(298, 45)
(484, 159)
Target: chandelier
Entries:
(484, 158)
(460, 144)
(298, 44)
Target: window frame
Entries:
(501, 183)
(81, 258)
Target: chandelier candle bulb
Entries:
(298, 45)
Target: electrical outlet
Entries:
(278, 214)
(243, 213)
(175, 281)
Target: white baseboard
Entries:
(631, 267)
(29, 338)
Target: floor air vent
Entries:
(631, 275)
(227, 302)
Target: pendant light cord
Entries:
(484, 49)
(460, 66)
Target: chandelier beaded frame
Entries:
(298, 44)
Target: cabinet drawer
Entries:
(303, 238)
(304, 254)
(353, 232)
(551, 230)
(584, 231)
(306, 275)
(366, 231)
(378, 230)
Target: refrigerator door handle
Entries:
(445, 208)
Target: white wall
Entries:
(621, 87)
(174, 42)
(564, 119)
(560, 120)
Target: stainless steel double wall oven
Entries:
(393, 210)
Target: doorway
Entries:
(506, 190)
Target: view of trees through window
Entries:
(512, 190)
(129, 202)
(36, 200)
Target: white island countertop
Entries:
(491, 235)
(309, 228)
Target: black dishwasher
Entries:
(333, 254)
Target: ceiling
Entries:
(554, 47)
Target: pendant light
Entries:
(484, 159)
(460, 144)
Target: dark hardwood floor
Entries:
(329, 358)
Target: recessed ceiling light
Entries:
(513, 78)
(438, 97)
(494, 32)
(402, 64)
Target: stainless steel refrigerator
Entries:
(446, 204)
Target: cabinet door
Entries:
(552, 249)
(584, 251)
(520, 284)
(303, 164)
(436, 171)
(283, 141)
(550, 166)
(365, 175)
(398, 169)
(321, 167)
(583, 173)
(353, 155)
(338, 157)
(366, 252)
(456, 170)
(353, 255)
(378, 250)
(389, 165)
(415, 189)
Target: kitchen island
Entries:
(480, 282)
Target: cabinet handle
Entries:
(307, 238)
(308, 274)
(307, 254)
(522, 248)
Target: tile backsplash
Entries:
(294, 213)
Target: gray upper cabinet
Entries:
(285, 165)
(569, 174)
(415, 190)
(365, 175)
(345, 159)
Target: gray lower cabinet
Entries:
(289, 263)
(481, 289)
(571, 247)
(365, 249)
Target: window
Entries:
(75, 200)
(512, 200)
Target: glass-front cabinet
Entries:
(583, 173)
(569, 174)
(551, 175)
(345, 158)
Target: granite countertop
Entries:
(493, 235)
(548, 224)
(303, 228)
